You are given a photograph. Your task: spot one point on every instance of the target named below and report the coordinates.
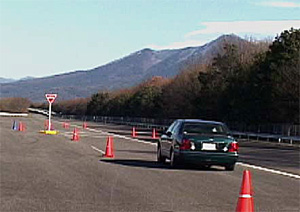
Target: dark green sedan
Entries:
(198, 142)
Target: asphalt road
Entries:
(283, 157)
(52, 173)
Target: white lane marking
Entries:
(134, 139)
(99, 150)
(91, 136)
(79, 132)
(93, 130)
(269, 170)
(124, 137)
(96, 136)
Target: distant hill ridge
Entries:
(6, 80)
(9, 80)
(122, 73)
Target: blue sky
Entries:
(42, 38)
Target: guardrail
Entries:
(43, 112)
(267, 137)
(291, 136)
(13, 114)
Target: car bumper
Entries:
(211, 158)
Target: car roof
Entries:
(200, 121)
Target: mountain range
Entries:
(122, 73)
(8, 80)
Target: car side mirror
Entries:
(169, 134)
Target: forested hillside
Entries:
(122, 73)
(253, 84)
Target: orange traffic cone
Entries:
(66, 125)
(75, 135)
(245, 202)
(133, 134)
(154, 135)
(84, 125)
(21, 127)
(109, 153)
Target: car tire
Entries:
(206, 167)
(160, 158)
(173, 160)
(229, 167)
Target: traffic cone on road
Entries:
(133, 134)
(154, 134)
(84, 125)
(15, 125)
(21, 126)
(75, 135)
(66, 125)
(245, 202)
(109, 152)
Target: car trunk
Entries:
(209, 143)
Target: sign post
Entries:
(50, 98)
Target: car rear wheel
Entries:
(206, 166)
(229, 167)
(160, 158)
(173, 160)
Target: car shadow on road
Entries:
(156, 165)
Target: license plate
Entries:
(208, 146)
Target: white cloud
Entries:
(178, 45)
(280, 4)
(268, 28)
(211, 30)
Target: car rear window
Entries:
(204, 128)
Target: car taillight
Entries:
(186, 144)
(234, 147)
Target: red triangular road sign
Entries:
(51, 97)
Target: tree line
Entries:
(14, 104)
(254, 83)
